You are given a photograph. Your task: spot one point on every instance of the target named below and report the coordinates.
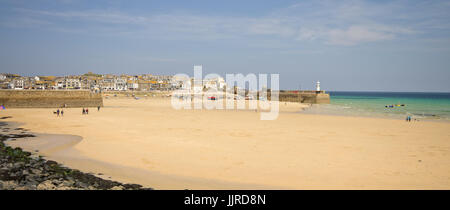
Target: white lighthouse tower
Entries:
(318, 86)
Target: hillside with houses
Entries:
(90, 81)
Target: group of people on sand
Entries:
(409, 118)
(58, 113)
(61, 112)
(85, 111)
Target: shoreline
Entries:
(375, 115)
(22, 169)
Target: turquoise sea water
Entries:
(425, 106)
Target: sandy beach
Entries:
(147, 142)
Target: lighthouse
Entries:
(318, 86)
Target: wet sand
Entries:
(60, 148)
(147, 142)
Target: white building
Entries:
(217, 84)
(132, 85)
(72, 83)
(120, 84)
(59, 84)
(16, 84)
(107, 84)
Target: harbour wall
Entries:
(49, 98)
(310, 97)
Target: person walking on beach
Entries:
(57, 113)
(87, 111)
(62, 113)
(98, 108)
(84, 111)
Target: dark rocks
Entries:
(4, 174)
(51, 163)
(82, 185)
(22, 170)
(18, 165)
(36, 171)
(67, 183)
(132, 186)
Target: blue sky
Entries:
(347, 44)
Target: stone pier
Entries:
(49, 98)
